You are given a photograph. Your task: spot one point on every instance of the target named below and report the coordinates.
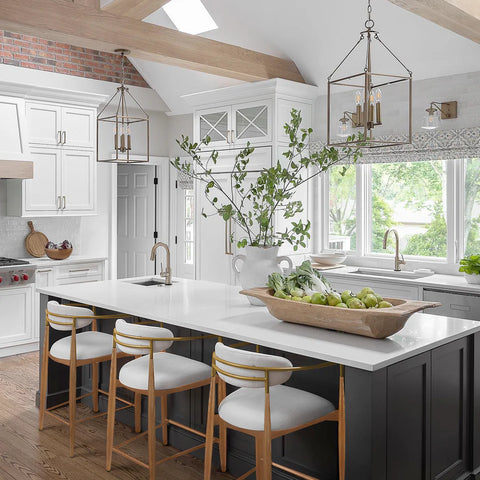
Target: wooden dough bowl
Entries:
(370, 322)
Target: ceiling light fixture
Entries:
(190, 16)
(370, 85)
(131, 133)
(439, 111)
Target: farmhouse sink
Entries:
(382, 272)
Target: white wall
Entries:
(178, 125)
(90, 235)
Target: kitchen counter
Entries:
(71, 260)
(219, 309)
(412, 400)
(454, 283)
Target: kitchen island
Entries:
(412, 400)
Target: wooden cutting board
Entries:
(35, 242)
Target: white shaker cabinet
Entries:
(62, 148)
(64, 183)
(16, 321)
(69, 127)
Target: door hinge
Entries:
(176, 240)
(176, 183)
(155, 235)
(155, 181)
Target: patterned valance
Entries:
(425, 146)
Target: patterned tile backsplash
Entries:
(13, 230)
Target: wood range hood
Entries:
(16, 169)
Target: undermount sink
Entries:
(149, 282)
(381, 272)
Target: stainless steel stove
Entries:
(14, 273)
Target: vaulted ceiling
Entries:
(315, 34)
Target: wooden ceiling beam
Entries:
(88, 3)
(89, 28)
(460, 16)
(137, 9)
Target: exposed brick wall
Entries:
(37, 53)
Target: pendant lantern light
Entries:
(127, 128)
(356, 100)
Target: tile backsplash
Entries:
(13, 230)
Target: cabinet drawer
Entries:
(80, 270)
(454, 304)
(79, 279)
(388, 290)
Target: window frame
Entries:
(362, 256)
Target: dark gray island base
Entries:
(415, 418)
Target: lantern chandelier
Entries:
(130, 132)
(367, 89)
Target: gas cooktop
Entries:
(7, 262)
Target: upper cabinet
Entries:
(56, 125)
(233, 126)
(62, 147)
(13, 145)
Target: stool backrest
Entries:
(60, 317)
(243, 360)
(144, 335)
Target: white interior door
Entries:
(135, 220)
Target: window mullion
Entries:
(364, 221)
(458, 187)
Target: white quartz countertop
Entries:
(71, 260)
(453, 283)
(219, 309)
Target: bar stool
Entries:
(156, 374)
(264, 408)
(76, 350)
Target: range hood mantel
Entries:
(16, 169)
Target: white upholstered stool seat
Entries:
(170, 371)
(89, 345)
(289, 408)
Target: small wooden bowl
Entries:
(58, 254)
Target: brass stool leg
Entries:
(259, 454)
(209, 432)
(112, 393)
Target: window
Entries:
(190, 16)
(471, 209)
(409, 197)
(434, 206)
(342, 209)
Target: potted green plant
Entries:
(252, 205)
(470, 266)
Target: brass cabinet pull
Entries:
(232, 136)
(44, 271)
(79, 270)
(59, 202)
(59, 141)
(228, 234)
(64, 137)
(64, 202)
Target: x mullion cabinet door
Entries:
(216, 124)
(252, 123)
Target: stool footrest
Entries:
(294, 472)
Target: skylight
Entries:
(190, 16)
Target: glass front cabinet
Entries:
(235, 125)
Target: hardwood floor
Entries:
(26, 453)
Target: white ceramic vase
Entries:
(256, 265)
